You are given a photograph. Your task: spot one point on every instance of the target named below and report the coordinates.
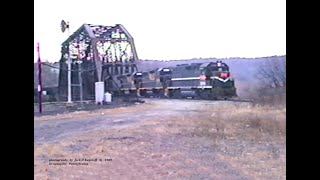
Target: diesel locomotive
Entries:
(210, 80)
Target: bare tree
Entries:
(272, 81)
(272, 73)
(49, 75)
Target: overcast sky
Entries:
(171, 29)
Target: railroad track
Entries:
(195, 99)
(239, 100)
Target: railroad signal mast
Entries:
(65, 26)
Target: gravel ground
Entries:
(152, 140)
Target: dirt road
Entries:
(153, 140)
(47, 131)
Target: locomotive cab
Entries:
(137, 79)
(165, 75)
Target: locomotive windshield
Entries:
(165, 71)
(209, 68)
(219, 67)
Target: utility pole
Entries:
(39, 80)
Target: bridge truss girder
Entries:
(104, 51)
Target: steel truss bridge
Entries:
(99, 53)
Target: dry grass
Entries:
(246, 123)
(251, 139)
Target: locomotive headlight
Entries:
(202, 78)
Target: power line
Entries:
(66, 69)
